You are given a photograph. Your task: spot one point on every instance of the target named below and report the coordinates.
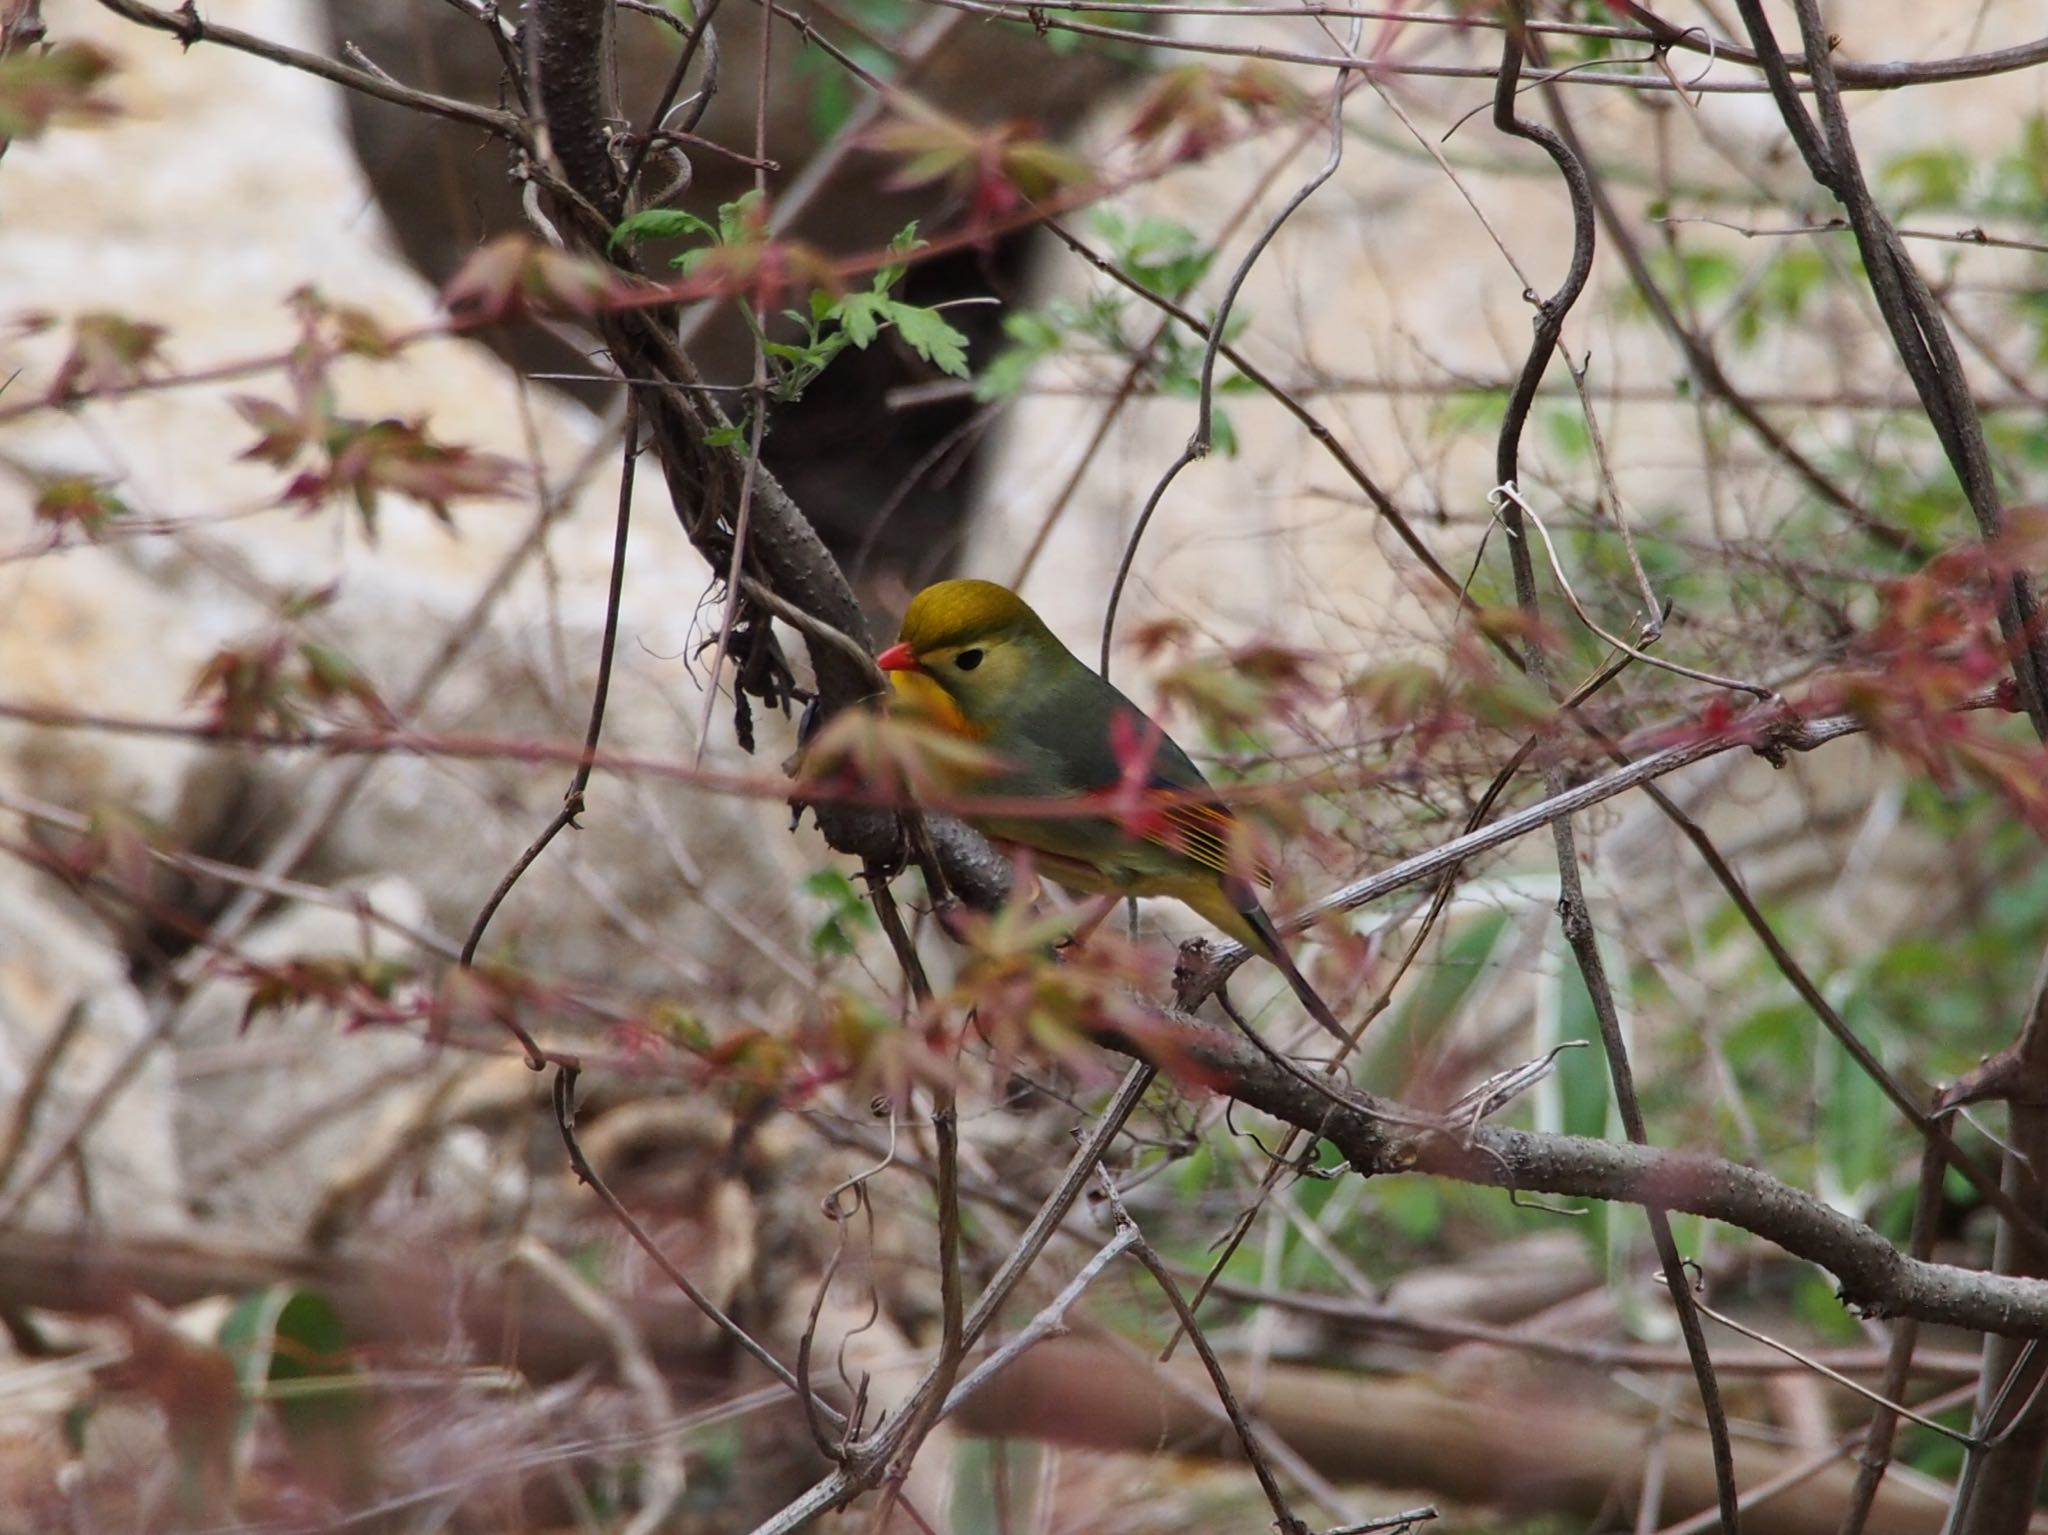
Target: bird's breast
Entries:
(924, 699)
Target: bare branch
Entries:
(189, 28)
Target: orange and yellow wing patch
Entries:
(1207, 833)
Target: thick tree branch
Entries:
(1468, 1446)
(1376, 1136)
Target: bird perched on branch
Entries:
(974, 659)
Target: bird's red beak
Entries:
(898, 658)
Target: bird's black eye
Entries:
(967, 660)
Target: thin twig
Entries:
(1051, 1322)
(1199, 440)
(1247, 1436)
(932, 1393)
(699, 33)
(1509, 492)
(36, 1085)
(566, 1074)
(572, 797)
(1446, 886)
(1914, 320)
(1866, 78)
(190, 28)
(1882, 1430)
(1573, 911)
(1890, 1405)
(661, 1486)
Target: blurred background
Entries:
(249, 1128)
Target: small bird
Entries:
(974, 659)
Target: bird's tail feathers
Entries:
(1265, 939)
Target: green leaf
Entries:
(1414, 1207)
(1568, 435)
(1222, 433)
(979, 1466)
(659, 224)
(1585, 1092)
(848, 913)
(1814, 1302)
(1937, 176)
(903, 244)
(1033, 335)
(928, 335)
(1469, 410)
(862, 315)
(42, 85)
(735, 217)
(291, 1349)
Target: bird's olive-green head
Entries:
(981, 647)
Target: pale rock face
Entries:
(225, 183)
(272, 1105)
(93, 1154)
(1389, 274)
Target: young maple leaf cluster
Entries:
(1194, 109)
(109, 352)
(340, 455)
(1935, 648)
(997, 171)
(275, 681)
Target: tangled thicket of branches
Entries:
(1810, 582)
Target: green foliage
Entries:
(1815, 1303)
(1930, 176)
(1442, 980)
(85, 502)
(1033, 336)
(2031, 309)
(1162, 256)
(1949, 998)
(1414, 1207)
(1469, 410)
(1585, 1096)
(995, 1485)
(1569, 436)
(830, 322)
(1760, 301)
(2018, 184)
(291, 1350)
(717, 1468)
(1794, 277)
(1693, 275)
(662, 224)
(847, 913)
(834, 92)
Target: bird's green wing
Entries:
(1090, 724)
